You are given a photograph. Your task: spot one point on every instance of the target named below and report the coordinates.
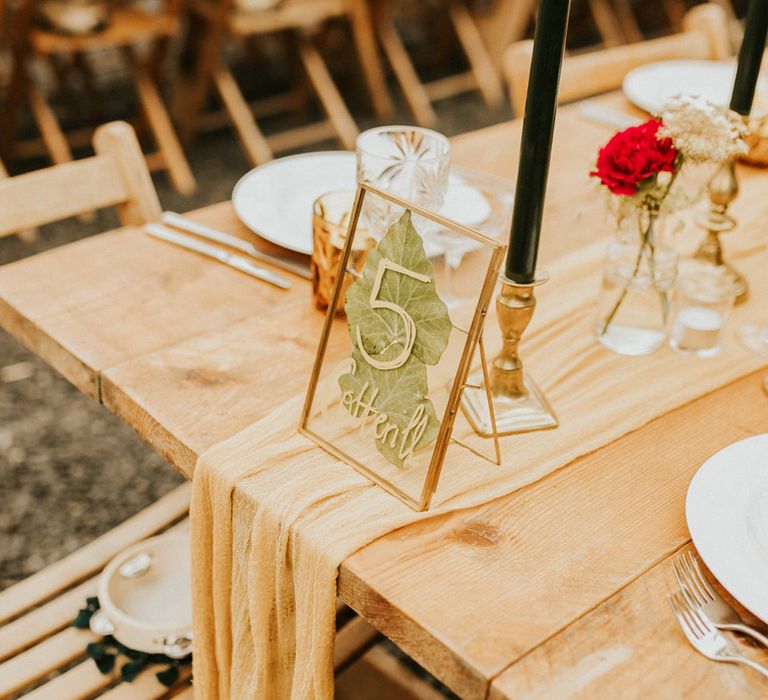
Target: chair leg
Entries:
(364, 37)
(503, 24)
(14, 98)
(52, 134)
(413, 90)
(328, 94)
(627, 21)
(162, 129)
(200, 57)
(607, 22)
(55, 141)
(252, 140)
(486, 77)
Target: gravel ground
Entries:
(70, 470)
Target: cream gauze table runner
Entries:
(273, 515)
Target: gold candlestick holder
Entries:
(518, 404)
(723, 189)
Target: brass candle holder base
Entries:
(518, 404)
(723, 189)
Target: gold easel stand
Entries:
(723, 189)
(519, 405)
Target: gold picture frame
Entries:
(457, 381)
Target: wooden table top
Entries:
(556, 590)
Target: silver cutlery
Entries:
(605, 116)
(706, 638)
(223, 256)
(701, 595)
(185, 224)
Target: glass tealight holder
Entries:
(330, 220)
(701, 305)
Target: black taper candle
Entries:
(536, 144)
(750, 56)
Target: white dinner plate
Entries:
(727, 513)
(653, 85)
(275, 200)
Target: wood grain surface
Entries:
(558, 590)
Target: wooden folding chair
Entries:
(116, 176)
(419, 96)
(705, 36)
(484, 38)
(300, 23)
(505, 22)
(128, 28)
(617, 24)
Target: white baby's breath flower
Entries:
(702, 131)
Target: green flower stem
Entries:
(653, 206)
(663, 298)
(625, 291)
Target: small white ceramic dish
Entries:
(275, 200)
(146, 599)
(727, 513)
(653, 85)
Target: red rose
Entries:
(634, 155)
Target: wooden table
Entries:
(558, 589)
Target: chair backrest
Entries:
(117, 176)
(705, 36)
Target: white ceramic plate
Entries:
(653, 85)
(275, 200)
(727, 513)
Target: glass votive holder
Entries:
(407, 161)
(701, 305)
(330, 221)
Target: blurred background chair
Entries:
(140, 37)
(483, 31)
(300, 25)
(482, 73)
(116, 176)
(705, 35)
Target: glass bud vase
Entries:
(638, 275)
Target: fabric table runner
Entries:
(273, 515)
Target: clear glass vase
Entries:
(638, 275)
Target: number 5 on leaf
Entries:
(408, 323)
